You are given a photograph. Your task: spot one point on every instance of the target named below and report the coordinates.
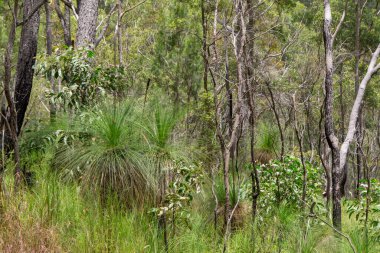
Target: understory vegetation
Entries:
(59, 215)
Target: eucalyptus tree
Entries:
(87, 20)
(339, 151)
(18, 102)
(26, 58)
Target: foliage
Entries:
(185, 182)
(160, 128)
(282, 181)
(204, 114)
(83, 82)
(64, 130)
(358, 208)
(55, 216)
(241, 191)
(97, 154)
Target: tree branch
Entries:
(70, 4)
(340, 23)
(372, 68)
(131, 8)
(106, 25)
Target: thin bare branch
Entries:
(106, 25)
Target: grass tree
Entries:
(109, 159)
(158, 133)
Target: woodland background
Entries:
(190, 126)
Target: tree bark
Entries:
(49, 50)
(64, 18)
(204, 46)
(249, 51)
(359, 130)
(300, 137)
(26, 59)
(277, 116)
(8, 116)
(329, 124)
(87, 18)
(339, 152)
(373, 67)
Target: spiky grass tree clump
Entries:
(159, 130)
(267, 143)
(110, 160)
(159, 133)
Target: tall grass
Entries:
(55, 217)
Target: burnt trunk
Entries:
(67, 28)
(26, 59)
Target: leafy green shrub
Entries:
(186, 181)
(83, 83)
(358, 207)
(282, 181)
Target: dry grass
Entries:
(25, 234)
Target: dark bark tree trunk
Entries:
(277, 116)
(26, 60)
(300, 137)
(64, 18)
(204, 46)
(329, 124)
(359, 125)
(8, 116)
(49, 50)
(67, 30)
(251, 104)
(87, 18)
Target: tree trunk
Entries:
(339, 152)
(300, 137)
(277, 116)
(359, 127)
(87, 18)
(204, 46)
(64, 18)
(329, 124)
(49, 44)
(119, 34)
(9, 120)
(26, 60)
(249, 51)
